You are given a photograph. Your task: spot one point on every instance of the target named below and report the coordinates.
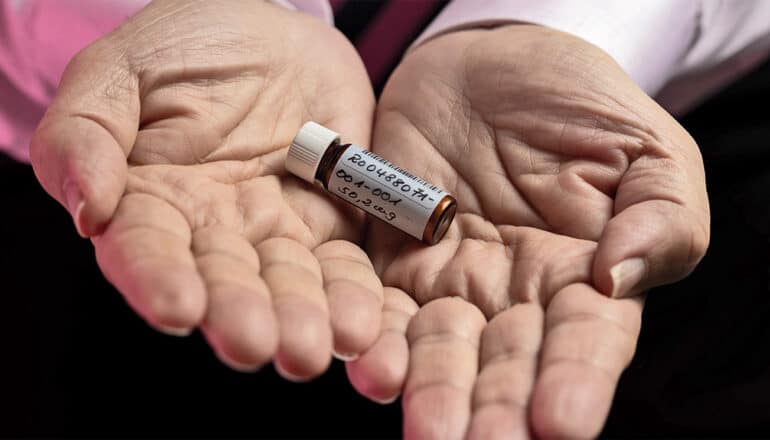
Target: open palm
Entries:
(166, 142)
(573, 186)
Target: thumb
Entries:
(660, 228)
(79, 149)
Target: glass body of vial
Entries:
(371, 183)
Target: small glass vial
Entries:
(371, 183)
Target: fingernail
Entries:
(288, 376)
(387, 401)
(174, 331)
(73, 198)
(626, 275)
(237, 366)
(345, 357)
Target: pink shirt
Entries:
(677, 50)
(37, 39)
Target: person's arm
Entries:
(39, 37)
(654, 41)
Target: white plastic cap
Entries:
(308, 148)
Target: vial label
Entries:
(384, 190)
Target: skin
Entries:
(168, 147)
(563, 169)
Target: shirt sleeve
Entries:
(653, 40)
(320, 9)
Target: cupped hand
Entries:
(166, 143)
(576, 192)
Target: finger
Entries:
(660, 230)
(589, 340)
(294, 278)
(80, 147)
(508, 358)
(145, 253)
(239, 324)
(354, 295)
(380, 372)
(444, 345)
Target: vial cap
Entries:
(308, 148)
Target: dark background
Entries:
(77, 362)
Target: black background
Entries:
(77, 362)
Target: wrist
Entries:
(649, 40)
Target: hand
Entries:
(573, 187)
(166, 143)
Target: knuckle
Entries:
(397, 300)
(341, 249)
(450, 315)
(100, 51)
